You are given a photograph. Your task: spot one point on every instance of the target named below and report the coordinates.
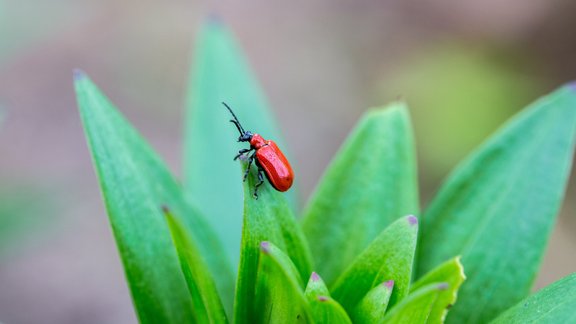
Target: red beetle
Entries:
(269, 159)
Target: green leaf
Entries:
(279, 296)
(389, 257)
(221, 74)
(553, 304)
(316, 287)
(498, 207)
(135, 183)
(324, 309)
(370, 183)
(450, 272)
(417, 307)
(268, 218)
(206, 302)
(372, 308)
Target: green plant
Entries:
(494, 213)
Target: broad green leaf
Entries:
(389, 257)
(268, 218)
(221, 74)
(450, 272)
(553, 304)
(498, 207)
(370, 183)
(279, 296)
(205, 300)
(324, 309)
(417, 307)
(372, 307)
(135, 182)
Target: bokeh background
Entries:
(463, 66)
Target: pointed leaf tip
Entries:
(78, 74)
(314, 276)
(412, 220)
(265, 247)
(214, 19)
(389, 284)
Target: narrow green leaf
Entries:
(389, 257)
(324, 309)
(553, 304)
(452, 273)
(370, 183)
(221, 74)
(417, 307)
(498, 207)
(135, 183)
(279, 296)
(372, 307)
(268, 218)
(205, 300)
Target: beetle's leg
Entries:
(250, 160)
(260, 182)
(241, 152)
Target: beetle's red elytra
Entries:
(268, 158)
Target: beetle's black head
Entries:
(245, 137)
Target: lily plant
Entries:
(361, 251)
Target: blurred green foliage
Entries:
(24, 211)
(458, 95)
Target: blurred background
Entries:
(463, 66)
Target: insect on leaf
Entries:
(221, 74)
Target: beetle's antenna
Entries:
(235, 121)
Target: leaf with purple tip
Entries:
(268, 218)
(372, 307)
(450, 272)
(370, 183)
(389, 257)
(278, 291)
(416, 308)
(316, 287)
(498, 208)
(324, 309)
